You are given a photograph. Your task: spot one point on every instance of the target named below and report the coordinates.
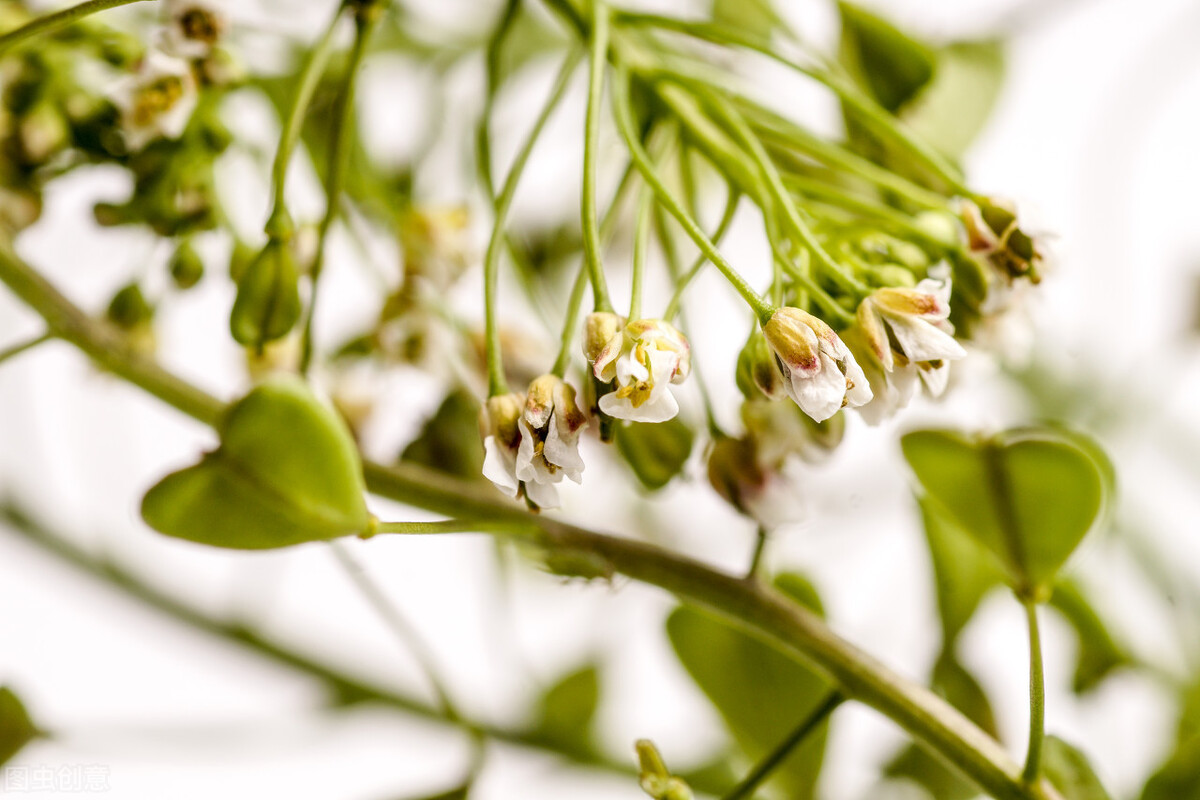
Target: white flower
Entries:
(654, 354)
(499, 424)
(158, 101)
(912, 323)
(192, 29)
(550, 426)
(820, 374)
(603, 338)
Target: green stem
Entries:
(681, 285)
(318, 60)
(759, 610)
(1037, 697)
(58, 19)
(776, 757)
(441, 526)
(641, 244)
(21, 347)
(876, 117)
(622, 111)
(342, 127)
(761, 535)
(497, 384)
(570, 323)
(591, 146)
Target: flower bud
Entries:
(819, 372)
(186, 266)
(734, 472)
(499, 418)
(757, 371)
(604, 335)
(268, 297)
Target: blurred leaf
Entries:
(952, 108)
(567, 708)
(449, 440)
(286, 472)
(761, 693)
(963, 571)
(891, 65)
(1179, 776)
(1099, 654)
(1027, 495)
(757, 18)
(1068, 769)
(954, 683)
(656, 451)
(16, 728)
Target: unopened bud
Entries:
(604, 335)
(756, 368)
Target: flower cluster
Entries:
(644, 357)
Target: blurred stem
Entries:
(20, 347)
(597, 66)
(754, 608)
(763, 770)
(570, 323)
(497, 384)
(641, 244)
(340, 132)
(674, 304)
(59, 19)
(761, 535)
(1037, 696)
(622, 110)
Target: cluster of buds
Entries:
(531, 441)
(994, 233)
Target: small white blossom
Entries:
(550, 426)
(158, 101)
(912, 323)
(820, 374)
(654, 355)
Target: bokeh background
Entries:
(1095, 130)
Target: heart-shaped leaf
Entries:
(567, 709)
(656, 451)
(286, 472)
(1029, 496)
(761, 693)
(16, 728)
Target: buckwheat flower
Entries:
(654, 354)
(192, 29)
(912, 323)
(603, 338)
(550, 426)
(158, 101)
(820, 374)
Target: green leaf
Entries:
(1068, 769)
(1179, 777)
(760, 693)
(1028, 495)
(891, 65)
(963, 571)
(758, 18)
(16, 727)
(286, 472)
(952, 108)
(567, 709)
(656, 451)
(1099, 654)
(960, 688)
(268, 297)
(449, 440)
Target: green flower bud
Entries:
(129, 309)
(268, 297)
(186, 266)
(757, 373)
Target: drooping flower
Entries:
(653, 355)
(158, 101)
(994, 232)
(913, 324)
(820, 374)
(550, 426)
(499, 425)
(604, 335)
(767, 495)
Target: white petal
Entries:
(921, 341)
(662, 366)
(563, 451)
(860, 392)
(660, 407)
(778, 503)
(820, 396)
(935, 380)
(543, 495)
(498, 468)
(630, 370)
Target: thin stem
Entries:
(20, 347)
(756, 609)
(318, 60)
(1037, 697)
(445, 526)
(58, 19)
(492, 54)
(391, 615)
(641, 244)
(570, 323)
(776, 757)
(591, 146)
(342, 127)
(497, 383)
(673, 306)
(761, 535)
(621, 106)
